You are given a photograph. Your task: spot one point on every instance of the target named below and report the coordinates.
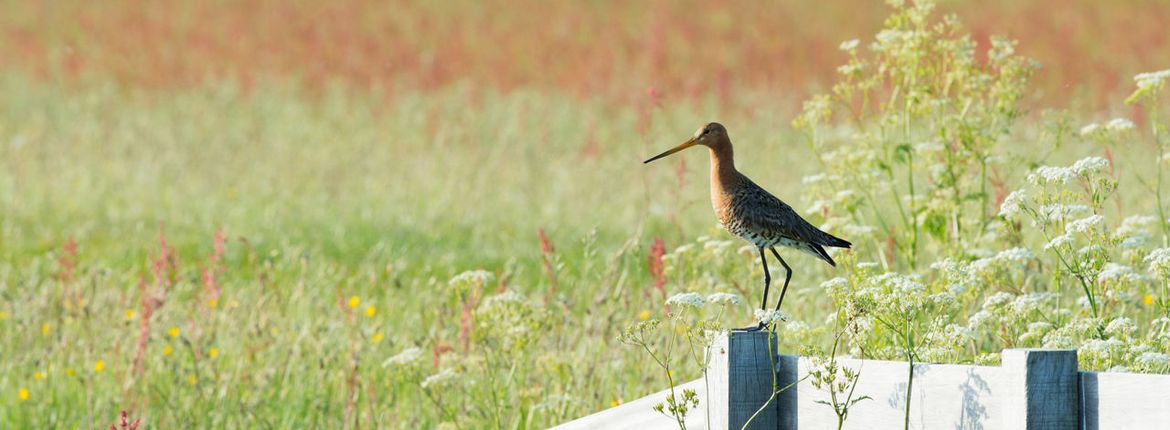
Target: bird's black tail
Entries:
(818, 249)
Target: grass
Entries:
(351, 199)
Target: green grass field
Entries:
(238, 250)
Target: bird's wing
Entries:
(764, 213)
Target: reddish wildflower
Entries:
(438, 350)
(548, 255)
(213, 268)
(68, 261)
(125, 424)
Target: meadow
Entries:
(342, 216)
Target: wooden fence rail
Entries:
(1033, 389)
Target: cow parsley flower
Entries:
(1113, 272)
(404, 358)
(1085, 225)
(770, 316)
(1151, 79)
(444, 377)
(723, 299)
(1090, 129)
(849, 45)
(1153, 360)
(1121, 327)
(1014, 204)
(1061, 241)
(472, 277)
(1052, 174)
(1159, 261)
(1089, 165)
(693, 300)
(1119, 124)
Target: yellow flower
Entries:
(191, 379)
(377, 337)
(99, 366)
(1148, 300)
(69, 371)
(173, 332)
(129, 314)
(233, 304)
(614, 403)
(213, 352)
(213, 303)
(354, 301)
(371, 310)
(23, 394)
(46, 328)
(3, 315)
(645, 315)
(39, 376)
(167, 350)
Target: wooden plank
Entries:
(943, 396)
(1124, 401)
(1042, 389)
(742, 376)
(640, 415)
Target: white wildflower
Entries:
(1159, 261)
(849, 45)
(1090, 129)
(439, 379)
(1052, 174)
(1118, 369)
(1085, 225)
(1061, 241)
(1059, 211)
(866, 265)
(1150, 79)
(1153, 360)
(835, 283)
(813, 179)
(404, 358)
(1121, 327)
(717, 245)
(1013, 204)
(1089, 165)
(505, 297)
(1113, 272)
(1135, 241)
(723, 299)
(851, 68)
(686, 299)
(1031, 302)
(1119, 124)
(770, 316)
(472, 277)
(1017, 254)
(684, 248)
(998, 299)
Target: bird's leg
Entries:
(767, 283)
(787, 276)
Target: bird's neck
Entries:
(723, 165)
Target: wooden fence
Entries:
(1032, 389)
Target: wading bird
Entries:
(750, 212)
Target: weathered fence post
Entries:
(1042, 389)
(744, 368)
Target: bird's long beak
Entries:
(689, 143)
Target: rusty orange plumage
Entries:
(752, 213)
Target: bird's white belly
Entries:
(761, 241)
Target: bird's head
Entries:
(713, 135)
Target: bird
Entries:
(746, 210)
